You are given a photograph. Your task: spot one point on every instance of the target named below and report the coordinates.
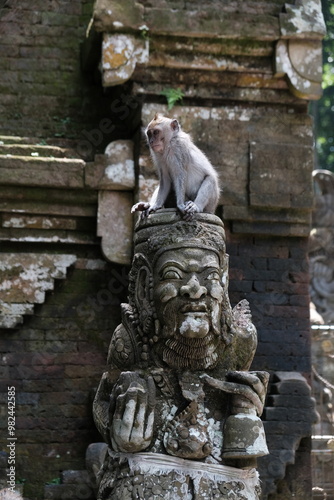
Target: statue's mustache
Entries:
(195, 307)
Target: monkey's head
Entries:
(160, 131)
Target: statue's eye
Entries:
(214, 275)
(171, 274)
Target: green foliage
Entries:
(323, 110)
(172, 96)
(56, 480)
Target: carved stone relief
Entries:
(299, 52)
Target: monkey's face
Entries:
(156, 139)
(159, 133)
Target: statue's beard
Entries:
(190, 353)
(188, 339)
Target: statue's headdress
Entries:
(166, 230)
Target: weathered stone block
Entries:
(120, 54)
(115, 223)
(44, 172)
(274, 179)
(304, 20)
(304, 79)
(117, 15)
(38, 222)
(114, 170)
(198, 23)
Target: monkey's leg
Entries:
(207, 196)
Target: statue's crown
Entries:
(166, 230)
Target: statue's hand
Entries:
(254, 389)
(132, 405)
(249, 389)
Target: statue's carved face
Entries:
(188, 295)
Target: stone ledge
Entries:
(125, 15)
(41, 171)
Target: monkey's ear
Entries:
(175, 126)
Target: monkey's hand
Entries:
(145, 208)
(142, 206)
(188, 210)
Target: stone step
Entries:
(54, 141)
(37, 150)
(15, 139)
(41, 171)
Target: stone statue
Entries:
(321, 246)
(177, 406)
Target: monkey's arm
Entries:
(179, 182)
(157, 201)
(159, 196)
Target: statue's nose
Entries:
(193, 289)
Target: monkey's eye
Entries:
(213, 276)
(171, 274)
(155, 133)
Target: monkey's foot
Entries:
(188, 210)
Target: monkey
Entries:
(184, 171)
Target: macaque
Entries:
(187, 178)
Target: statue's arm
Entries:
(101, 407)
(249, 389)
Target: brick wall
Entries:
(272, 274)
(43, 92)
(55, 361)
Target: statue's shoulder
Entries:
(242, 339)
(123, 349)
